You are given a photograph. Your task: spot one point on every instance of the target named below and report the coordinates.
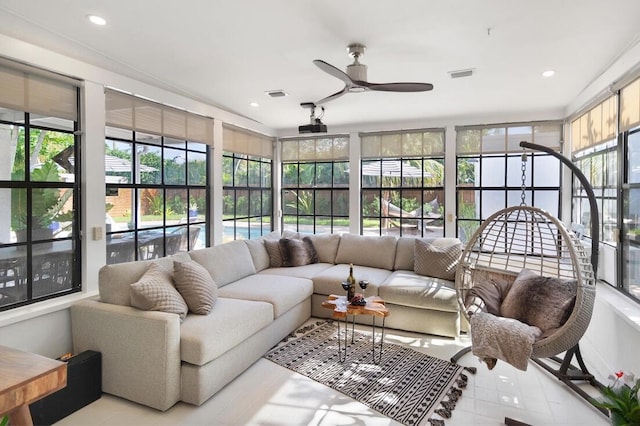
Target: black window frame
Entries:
(237, 189)
(58, 270)
(165, 244)
(312, 218)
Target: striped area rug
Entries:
(407, 386)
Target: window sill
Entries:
(42, 308)
(624, 307)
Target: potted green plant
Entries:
(47, 205)
(621, 399)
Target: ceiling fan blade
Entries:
(400, 87)
(334, 96)
(330, 69)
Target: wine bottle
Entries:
(352, 284)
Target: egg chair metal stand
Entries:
(526, 237)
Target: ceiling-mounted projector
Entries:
(315, 123)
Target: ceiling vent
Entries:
(461, 73)
(276, 93)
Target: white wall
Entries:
(48, 334)
(612, 341)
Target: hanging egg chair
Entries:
(525, 237)
(528, 238)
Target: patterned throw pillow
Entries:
(543, 302)
(298, 252)
(435, 261)
(275, 253)
(154, 291)
(196, 286)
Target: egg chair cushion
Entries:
(488, 292)
(543, 302)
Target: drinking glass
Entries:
(345, 286)
(363, 286)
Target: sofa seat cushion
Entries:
(328, 281)
(280, 291)
(306, 271)
(204, 338)
(410, 289)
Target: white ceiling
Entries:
(228, 53)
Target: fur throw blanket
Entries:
(507, 339)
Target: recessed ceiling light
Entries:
(548, 73)
(254, 104)
(98, 20)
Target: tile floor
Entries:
(267, 394)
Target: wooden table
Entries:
(25, 378)
(342, 310)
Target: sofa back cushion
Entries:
(227, 262)
(326, 245)
(258, 253)
(377, 252)
(404, 254)
(114, 281)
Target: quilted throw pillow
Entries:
(436, 261)
(196, 286)
(154, 291)
(298, 252)
(543, 302)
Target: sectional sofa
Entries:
(156, 359)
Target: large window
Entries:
(600, 166)
(631, 214)
(156, 195)
(630, 170)
(594, 149)
(315, 185)
(402, 176)
(490, 172)
(39, 187)
(247, 171)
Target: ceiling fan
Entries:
(355, 79)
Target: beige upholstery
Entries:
(306, 271)
(407, 288)
(152, 359)
(140, 350)
(259, 254)
(227, 262)
(377, 252)
(329, 281)
(282, 292)
(404, 254)
(327, 246)
(204, 338)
